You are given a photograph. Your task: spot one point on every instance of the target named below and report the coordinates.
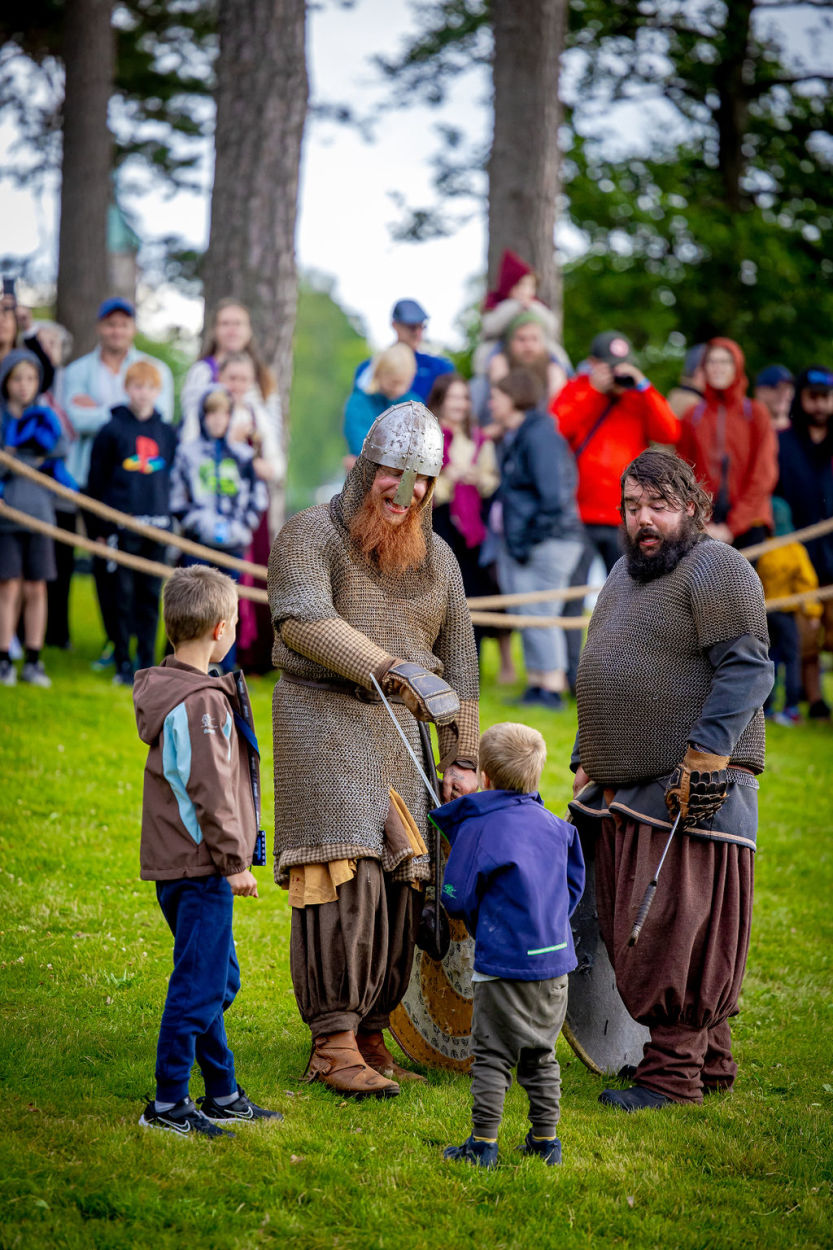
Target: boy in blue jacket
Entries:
(514, 875)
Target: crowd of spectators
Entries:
(103, 423)
(528, 497)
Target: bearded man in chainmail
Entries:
(670, 690)
(363, 588)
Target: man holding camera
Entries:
(608, 415)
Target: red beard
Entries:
(393, 548)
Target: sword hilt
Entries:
(642, 914)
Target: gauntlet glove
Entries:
(423, 693)
(698, 786)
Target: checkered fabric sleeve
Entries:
(337, 646)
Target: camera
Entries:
(624, 380)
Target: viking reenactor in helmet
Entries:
(362, 588)
(670, 691)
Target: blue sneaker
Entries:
(547, 1148)
(482, 1154)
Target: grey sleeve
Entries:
(743, 676)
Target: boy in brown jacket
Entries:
(199, 826)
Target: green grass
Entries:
(84, 956)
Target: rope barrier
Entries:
(479, 605)
(123, 521)
(153, 567)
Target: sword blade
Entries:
(405, 741)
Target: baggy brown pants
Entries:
(683, 978)
(351, 959)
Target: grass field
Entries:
(85, 956)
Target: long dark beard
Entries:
(392, 548)
(645, 568)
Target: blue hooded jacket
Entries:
(515, 875)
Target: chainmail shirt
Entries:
(644, 676)
(335, 755)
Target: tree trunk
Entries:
(261, 107)
(732, 113)
(89, 57)
(525, 161)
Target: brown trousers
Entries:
(351, 959)
(682, 979)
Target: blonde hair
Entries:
(218, 399)
(513, 756)
(400, 358)
(143, 371)
(194, 600)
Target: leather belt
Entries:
(341, 687)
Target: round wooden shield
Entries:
(598, 1025)
(432, 1024)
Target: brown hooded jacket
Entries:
(198, 815)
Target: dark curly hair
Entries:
(665, 474)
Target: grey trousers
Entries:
(515, 1024)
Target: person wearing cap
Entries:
(692, 381)
(362, 589)
(775, 387)
(89, 388)
(408, 321)
(608, 416)
(805, 460)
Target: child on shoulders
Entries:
(515, 875)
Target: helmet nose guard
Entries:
(407, 437)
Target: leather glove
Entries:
(698, 786)
(423, 693)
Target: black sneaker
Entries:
(124, 677)
(241, 1109)
(184, 1119)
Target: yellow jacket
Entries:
(787, 571)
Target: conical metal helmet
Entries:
(408, 437)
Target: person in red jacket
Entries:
(729, 441)
(608, 416)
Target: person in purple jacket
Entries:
(515, 875)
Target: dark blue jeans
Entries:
(785, 650)
(203, 984)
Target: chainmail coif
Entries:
(643, 677)
(335, 756)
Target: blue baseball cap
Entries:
(773, 375)
(116, 304)
(409, 313)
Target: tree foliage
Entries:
(327, 348)
(721, 223)
(161, 109)
(706, 209)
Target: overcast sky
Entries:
(345, 207)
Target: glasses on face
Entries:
(820, 377)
